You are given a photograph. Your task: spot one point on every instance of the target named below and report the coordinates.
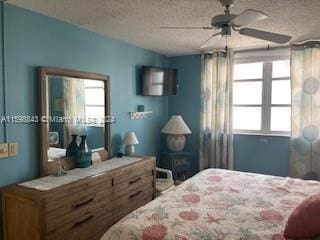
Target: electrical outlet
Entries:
(3, 150)
(13, 149)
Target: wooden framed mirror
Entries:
(72, 102)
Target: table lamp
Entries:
(176, 129)
(130, 139)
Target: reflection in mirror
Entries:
(75, 107)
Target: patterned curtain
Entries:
(216, 140)
(305, 84)
(74, 108)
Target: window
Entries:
(262, 96)
(94, 101)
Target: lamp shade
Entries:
(130, 138)
(176, 125)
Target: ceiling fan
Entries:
(227, 22)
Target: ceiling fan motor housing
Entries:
(222, 20)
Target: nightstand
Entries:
(178, 163)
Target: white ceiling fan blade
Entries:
(268, 36)
(247, 17)
(206, 28)
(203, 45)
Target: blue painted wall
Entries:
(187, 103)
(262, 154)
(250, 152)
(34, 40)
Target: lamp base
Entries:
(129, 149)
(175, 142)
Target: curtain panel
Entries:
(74, 108)
(305, 117)
(216, 140)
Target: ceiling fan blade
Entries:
(248, 16)
(203, 45)
(268, 36)
(206, 28)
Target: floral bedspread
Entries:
(217, 204)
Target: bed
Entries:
(217, 204)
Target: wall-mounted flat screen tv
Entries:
(159, 81)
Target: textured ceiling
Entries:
(138, 21)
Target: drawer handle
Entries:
(135, 194)
(78, 205)
(77, 224)
(134, 181)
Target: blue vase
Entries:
(84, 155)
(73, 147)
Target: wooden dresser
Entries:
(82, 209)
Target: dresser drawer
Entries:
(72, 222)
(72, 201)
(72, 211)
(71, 189)
(132, 173)
(133, 184)
(89, 227)
(127, 204)
(133, 195)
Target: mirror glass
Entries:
(75, 107)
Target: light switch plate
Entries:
(3, 150)
(13, 149)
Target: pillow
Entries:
(304, 221)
